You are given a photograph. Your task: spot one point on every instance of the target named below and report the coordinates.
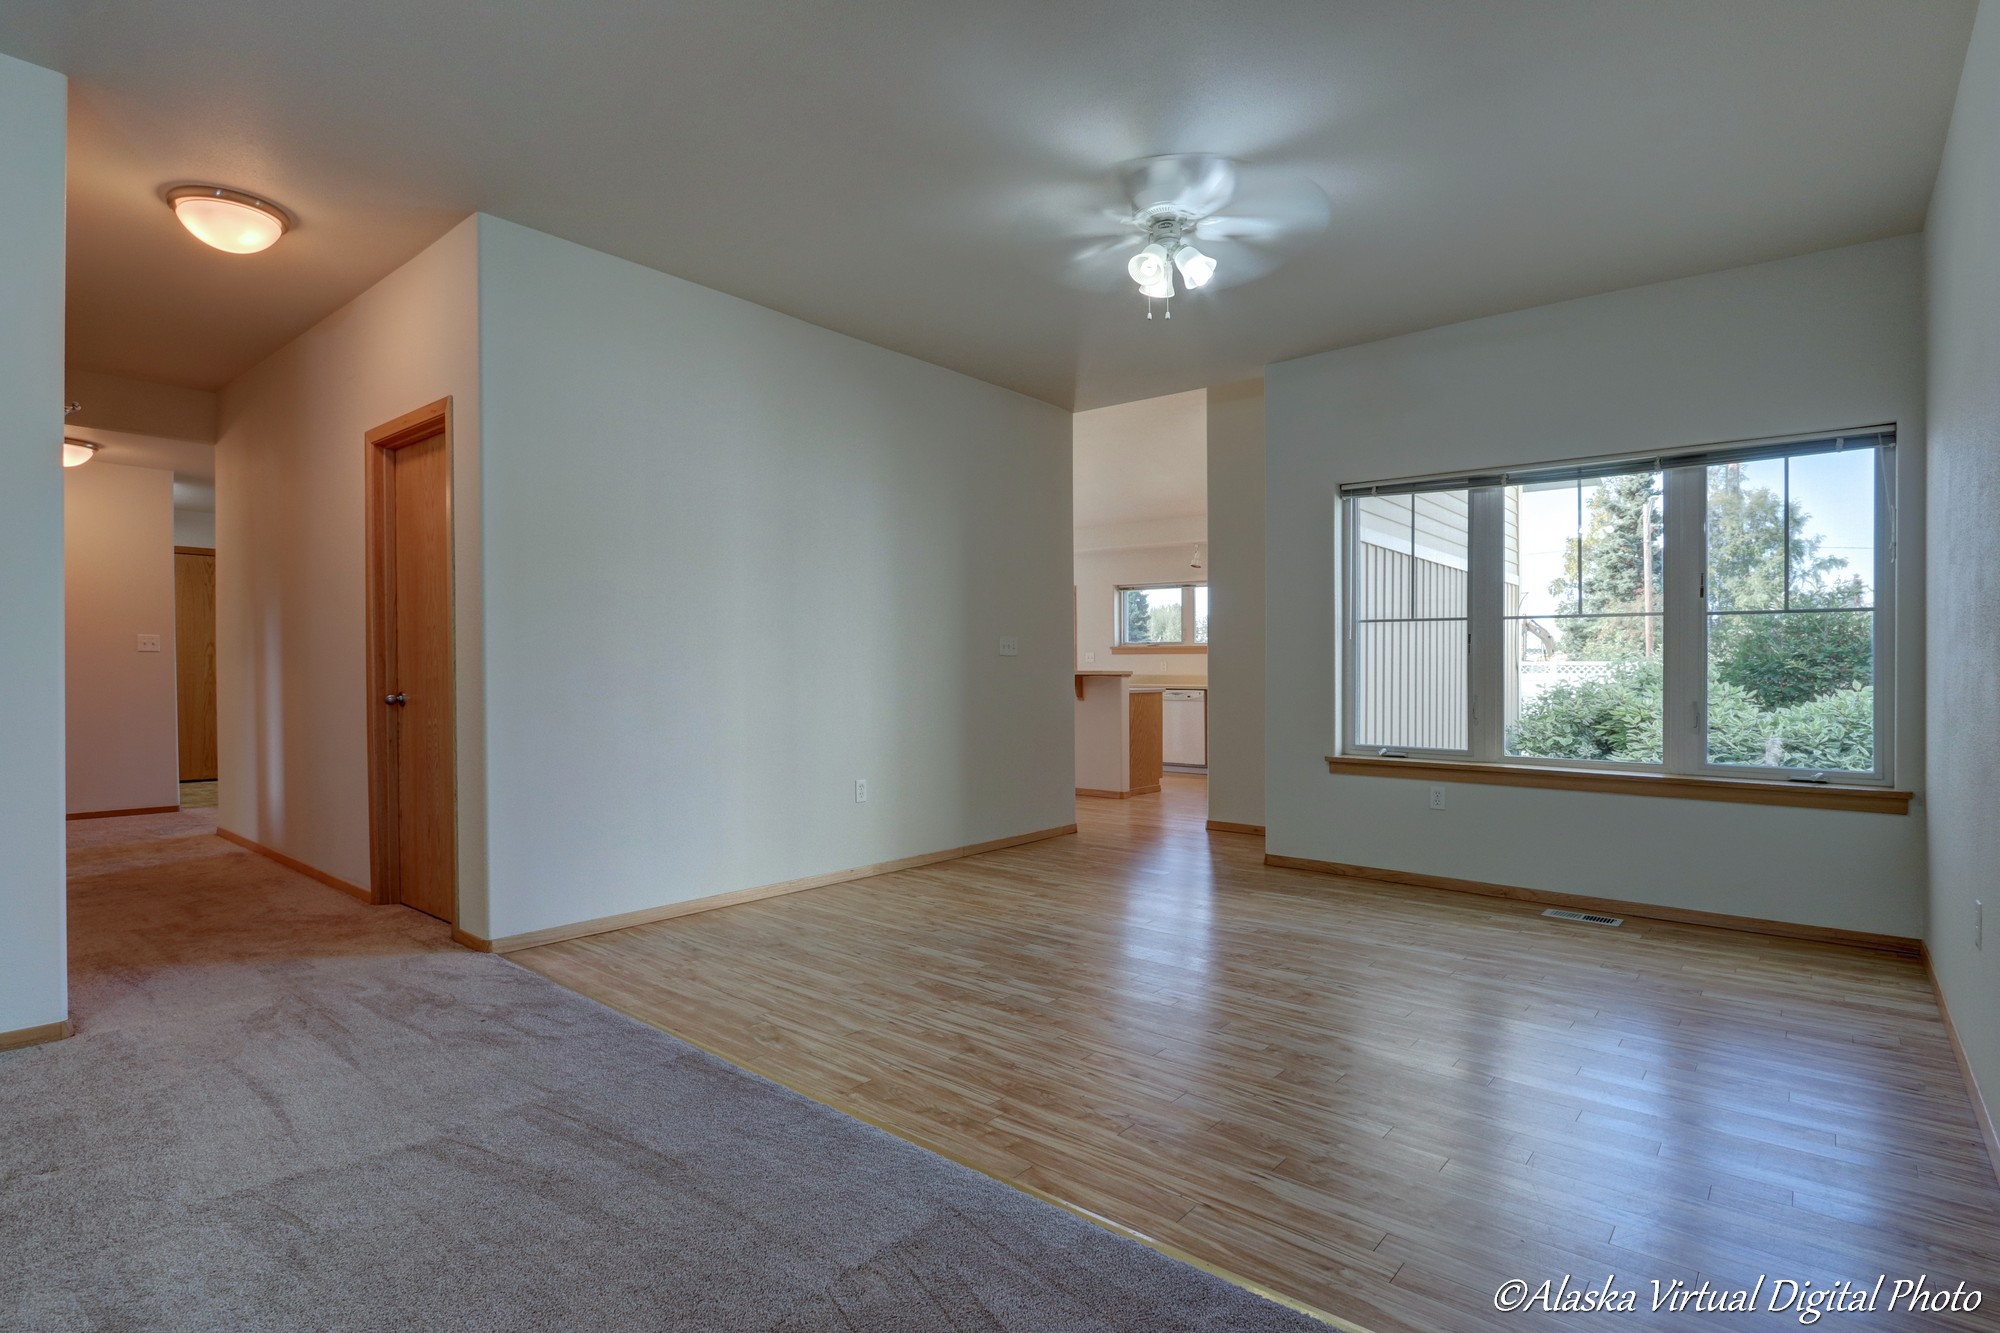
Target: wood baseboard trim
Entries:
(1982, 1114)
(291, 863)
(646, 916)
(120, 814)
(1224, 826)
(36, 1036)
(1103, 795)
(1896, 944)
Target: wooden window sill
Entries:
(1160, 648)
(1747, 791)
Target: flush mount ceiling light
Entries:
(78, 452)
(1172, 201)
(229, 220)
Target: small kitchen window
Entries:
(1163, 618)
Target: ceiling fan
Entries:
(1245, 218)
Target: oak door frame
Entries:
(426, 422)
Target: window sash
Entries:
(1684, 614)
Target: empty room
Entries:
(893, 666)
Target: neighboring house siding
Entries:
(1411, 688)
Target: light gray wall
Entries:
(1236, 611)
(33, 968)
(1100, 573)
(118, 583)
(1964, 777)
(735, 562)
(1825, 341)
(291, 595)
(194, 527)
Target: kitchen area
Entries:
(1141, 585)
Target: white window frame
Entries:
(1185, 642)
(1684, 614)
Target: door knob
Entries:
(397, 699)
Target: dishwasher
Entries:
(1184, 727)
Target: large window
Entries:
(1720, 612)
(1168, 618)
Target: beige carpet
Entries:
(284, 1109)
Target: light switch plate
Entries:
(149, 643)
(1010, 647)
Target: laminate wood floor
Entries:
(1383, 1102)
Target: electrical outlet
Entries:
(149, 643)
(1437, 798)
(1010, 647)
(1090, 659)
(861, 791)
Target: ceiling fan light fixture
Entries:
(1196, 268)
(77, 452)
(229, 220)
(1150, 268)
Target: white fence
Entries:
(1536, 678)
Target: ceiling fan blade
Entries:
(1230, 227)
(1237, 263)
(1269, 210)
(1198, 183)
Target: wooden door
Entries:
(413, 764)
(194, 664)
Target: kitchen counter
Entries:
(1118, 737)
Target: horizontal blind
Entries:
(1873, 437)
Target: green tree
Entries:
(1779, 660)
(1615, 565)
(1746, 543)
(1138, 616)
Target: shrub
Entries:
(1796, 658)
(1618, 718)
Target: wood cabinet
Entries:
(1146, 740)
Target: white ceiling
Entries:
(1141, 461)
(887, 169)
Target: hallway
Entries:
(286, 1109)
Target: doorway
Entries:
(194, 672)
(412, 755)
